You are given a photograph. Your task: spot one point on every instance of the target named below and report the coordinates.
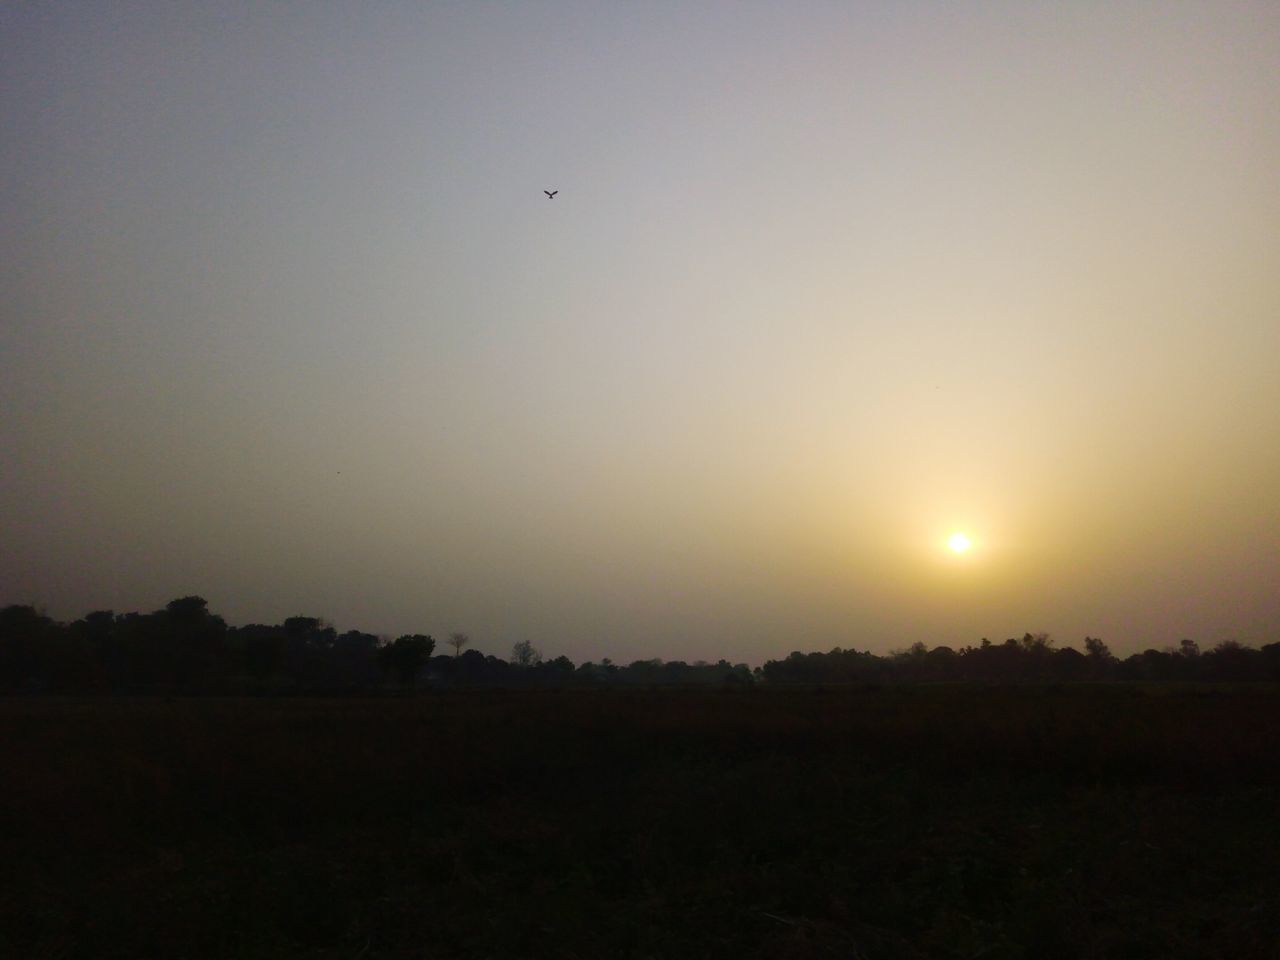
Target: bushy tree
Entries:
(24, 641)
(525, 654)
(405, 657)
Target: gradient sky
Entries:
(289, 323)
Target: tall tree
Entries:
(458, 641)
(525, 654)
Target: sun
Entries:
(959, 543)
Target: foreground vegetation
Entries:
(877, 822)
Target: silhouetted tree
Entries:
(525, 654)
(1230, 661)
(405, 658)
(100, 661)
(561, 666)
(25, 634)
(458, 641)
(261, 651)
(734, 674)
(1150, 665)
(1269, 657)
(197, 639)
(941, 663)
(355, 656)
(1101, 662)
(1097, 649)
(1070, 664)
(308, 650)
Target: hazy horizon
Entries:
(289, 323)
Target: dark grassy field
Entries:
(913, 822)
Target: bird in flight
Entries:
(551, 194)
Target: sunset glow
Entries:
(867, 323)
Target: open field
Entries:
(945, 821)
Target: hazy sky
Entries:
(288, 321)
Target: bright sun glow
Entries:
(959, 543)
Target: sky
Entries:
(287, 321)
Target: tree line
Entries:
(1031, 658)
(184, 648)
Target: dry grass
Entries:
(914, 822)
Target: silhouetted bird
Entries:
(551, 194)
